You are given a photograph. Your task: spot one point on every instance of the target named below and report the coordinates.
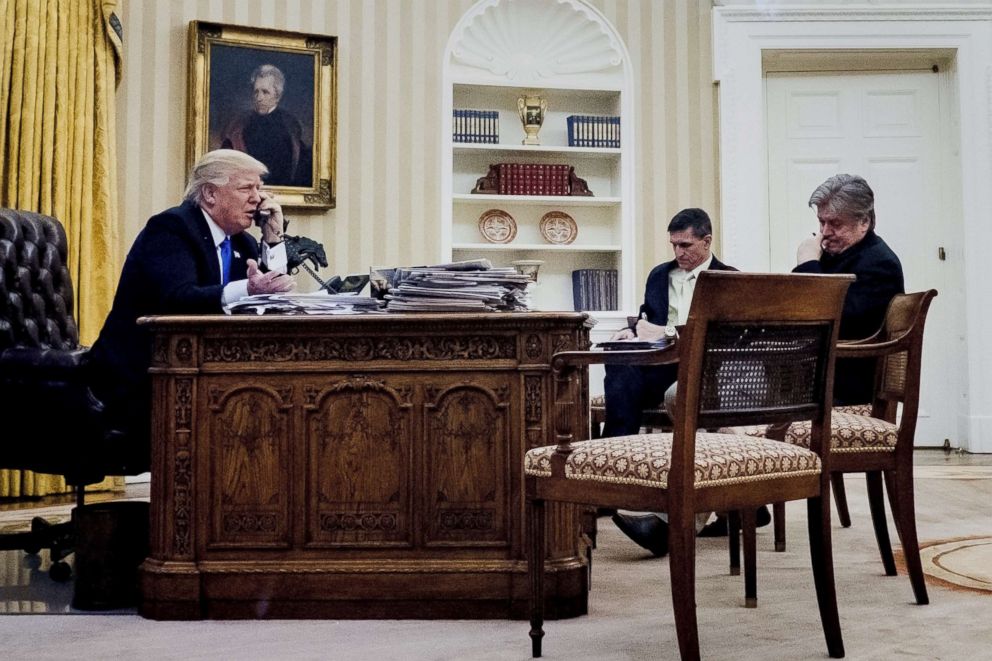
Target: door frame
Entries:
(743, 40)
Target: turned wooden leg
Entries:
(840, 499)
(682, 564)
(734, 542)
(749, 527)
(535, 569)
(910, 543)
(778, 513)
(821, 555)
(876, 504)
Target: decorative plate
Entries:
(497, 226)
(558, 227)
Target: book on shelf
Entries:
(533, 179)
(594, 289)
(477, 126)
(593, 131)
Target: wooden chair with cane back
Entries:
(689, 471)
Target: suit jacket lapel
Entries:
(199, 229)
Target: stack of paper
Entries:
(315, 303)
(473, 286)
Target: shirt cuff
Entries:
(274, 257)
(234, 291)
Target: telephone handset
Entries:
(298, 248)
(261, 216)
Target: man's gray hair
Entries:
(846, 195)
(270, 71)
(217, 167)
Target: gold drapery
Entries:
(59, 69)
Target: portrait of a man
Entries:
(261, 102)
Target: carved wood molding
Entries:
(277, 350)
(533, 347)
(313, 395)
(385, 566)
(217, 396)
(533, 398)
(353, 521)
(465, 519)
(182, 471)
(249, 522)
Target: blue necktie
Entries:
(225, 260)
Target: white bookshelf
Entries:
(488, 67)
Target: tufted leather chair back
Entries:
(35, 288)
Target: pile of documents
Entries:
(315, 303)
(470, 286)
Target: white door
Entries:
(886, 127)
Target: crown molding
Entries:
(806, 13)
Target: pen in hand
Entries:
(644, 315)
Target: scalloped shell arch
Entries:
(537, 39)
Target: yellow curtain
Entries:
(59, 69)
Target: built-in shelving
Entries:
(487, 67)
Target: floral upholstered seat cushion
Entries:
(645, 459)
(849, 433)
(597, 401)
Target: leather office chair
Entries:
(689, 470)
(52, 422)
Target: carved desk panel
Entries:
(354, 467)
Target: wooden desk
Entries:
(354, 467)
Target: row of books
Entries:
(593, 131)
(476, 126)
(533, 179)
(594, 289)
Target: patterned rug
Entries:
(957, 563)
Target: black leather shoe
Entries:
(718, 528)
(647, 531)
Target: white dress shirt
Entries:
(274, 257)
(681, 285)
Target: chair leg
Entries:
(906, 523)
(821, 555)
(840, 499)
(876, 503)
(734, 541)
(749, 527)
(890, 488)
(778, 512)
(535, 569)
(682, 564)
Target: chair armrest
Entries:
(564, 360)
(40, 364)
(860, 349)
(37, 380)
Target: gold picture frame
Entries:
(293, 131)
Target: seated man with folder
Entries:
(630, 389)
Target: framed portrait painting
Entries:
(271, 94)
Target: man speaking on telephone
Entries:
(191, 259)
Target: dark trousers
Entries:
(630, 389)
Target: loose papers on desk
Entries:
(472, 286)
(315, 303)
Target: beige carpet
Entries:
(630, 605)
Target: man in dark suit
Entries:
(847, 243)
(632, 388)
(667, 295)
(190, 259)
